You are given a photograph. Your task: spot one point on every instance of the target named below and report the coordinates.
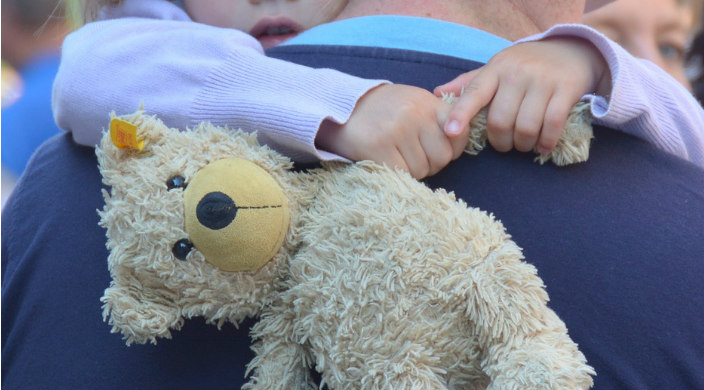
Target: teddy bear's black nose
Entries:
(216, 210)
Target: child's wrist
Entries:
(326, 133)
(604, 85)
(602, 74)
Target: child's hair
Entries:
(695, 59)
(698, 12)
(35, 14)
(80, 12)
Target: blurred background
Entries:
(32, 32)
(662, 31)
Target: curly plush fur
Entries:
(381, 283)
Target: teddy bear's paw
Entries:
(268, 383)
(137, 320)
(573, 145)
(547, 368)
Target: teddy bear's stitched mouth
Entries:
(217, 210)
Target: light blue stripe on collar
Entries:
(406, 32)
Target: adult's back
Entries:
(618, 240)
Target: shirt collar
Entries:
(406, 32)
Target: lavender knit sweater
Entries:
(150, 52)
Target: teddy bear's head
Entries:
(196, 224)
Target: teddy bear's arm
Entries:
(285, 364)
(572, 147)
(525, 344)
(280, 362)
(140, 314)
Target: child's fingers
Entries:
(415, 158)
(501, 118)
(554, 122)
(394, 159)
(459, 143)
(438, 149)
(531, 114)
(477, 94)
(456, 85)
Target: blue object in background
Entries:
(28, 122)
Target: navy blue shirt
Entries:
(618, 240)
(28, 121)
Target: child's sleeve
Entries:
(188, 72)
(645, 101)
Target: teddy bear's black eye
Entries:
(176, 182)
(182, 248)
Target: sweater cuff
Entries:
(600, 106)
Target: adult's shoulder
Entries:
(54, 271)
(618, 240)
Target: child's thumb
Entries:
(456, 85)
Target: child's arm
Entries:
(642, 100)
(187, 73)
(152, 53)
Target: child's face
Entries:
(270, 21)
(657, 30)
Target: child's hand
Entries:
(397, 125)
(530, 89)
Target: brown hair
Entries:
(80, 12)
(35, 13)
(697, 11)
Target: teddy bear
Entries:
(355, 270)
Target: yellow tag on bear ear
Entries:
(124, 135)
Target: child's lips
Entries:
(268, 41)
(273, 31)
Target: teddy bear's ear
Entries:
(139, 312)
(130, 134)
